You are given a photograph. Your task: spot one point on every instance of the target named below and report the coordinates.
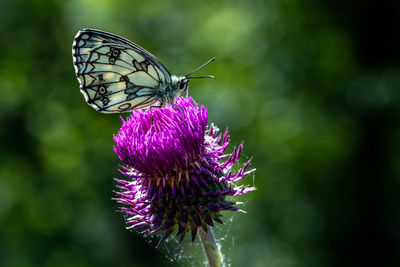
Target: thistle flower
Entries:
(178, 174)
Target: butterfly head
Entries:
(182, 84)
(179, 84)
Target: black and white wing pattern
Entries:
(116, 75)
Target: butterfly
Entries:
(116, 75)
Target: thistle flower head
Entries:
(178, 173)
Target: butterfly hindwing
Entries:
(115, 75)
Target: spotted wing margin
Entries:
(116, 75)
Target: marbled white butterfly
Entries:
(116, 75)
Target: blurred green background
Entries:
(311, 86)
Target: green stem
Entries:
(213, 255)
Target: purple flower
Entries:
(179, 176)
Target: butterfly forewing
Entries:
(115, 75)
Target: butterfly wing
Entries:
(116, 75)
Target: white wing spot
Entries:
(135, 55)
(142, 78)
(152, 71)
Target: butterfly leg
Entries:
(151, 108)
(183, 113)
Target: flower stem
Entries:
(213, 255)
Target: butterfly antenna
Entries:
(208, 62)
(207, 76)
